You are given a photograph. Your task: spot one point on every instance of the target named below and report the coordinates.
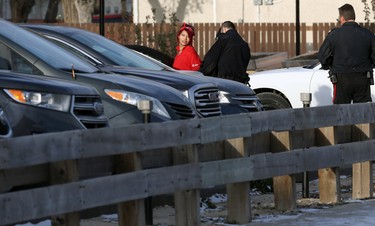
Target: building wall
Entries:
(282, 11)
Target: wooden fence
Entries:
(58, 175)
(262, 37)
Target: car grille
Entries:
(89, 111)
(181, 110)
(206, 100)
(251, 103)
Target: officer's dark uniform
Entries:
(227, 58)
(349, 52)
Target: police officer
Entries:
(349, 53)
(229, 55)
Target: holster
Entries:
(332, 77)
(370, 76)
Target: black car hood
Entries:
(11, 80)
(143, 86)
(182, 81)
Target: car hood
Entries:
(37, 83)
(281, 71)
(150, 88)
(182, 81)
(282, 79)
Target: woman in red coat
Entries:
(186, 58)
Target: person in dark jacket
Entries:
(228, 57)
(349, 53)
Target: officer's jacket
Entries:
(228, 57)
(348, 49)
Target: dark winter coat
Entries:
(227, 58)
(348, 49)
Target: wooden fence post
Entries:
(362, 172)
(238, 193)
(187, 211)
(131, 213)
(63, 172)
(284, 186)
(329, 178)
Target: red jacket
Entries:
(188, 59)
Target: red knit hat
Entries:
(190, 31)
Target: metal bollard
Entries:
(306, 100)
(145, 106)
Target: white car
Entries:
(282, 88)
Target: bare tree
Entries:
(21, 10)
(157, 10)
(52, 10)
(367, 9)
(128, 17)
(1, 10)
(180, 10)
(70, 11)
(85, 9)
(78, 10)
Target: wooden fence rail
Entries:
(58, 175)
(262, 37)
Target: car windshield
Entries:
(311, 66)
(43, 49)
(119, 54)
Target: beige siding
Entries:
(282, 11)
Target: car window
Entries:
(10, 60)
(311, 66)
(75, 51)
(119, 54)
(20, 64)
(4, 57)
(44, 50)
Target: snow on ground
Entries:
(353, 212)
(43, 223)
(309, 211)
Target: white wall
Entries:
(245, 10)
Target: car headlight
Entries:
(223, 97)
(53, 101)
(134, 98)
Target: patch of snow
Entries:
(218, 198)
(274, 218)
(110, 218)
(42, 223)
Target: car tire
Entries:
(273, 101)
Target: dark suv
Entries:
(108, 55)
(27, 52)
(32, 105)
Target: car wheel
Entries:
(273, 101)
